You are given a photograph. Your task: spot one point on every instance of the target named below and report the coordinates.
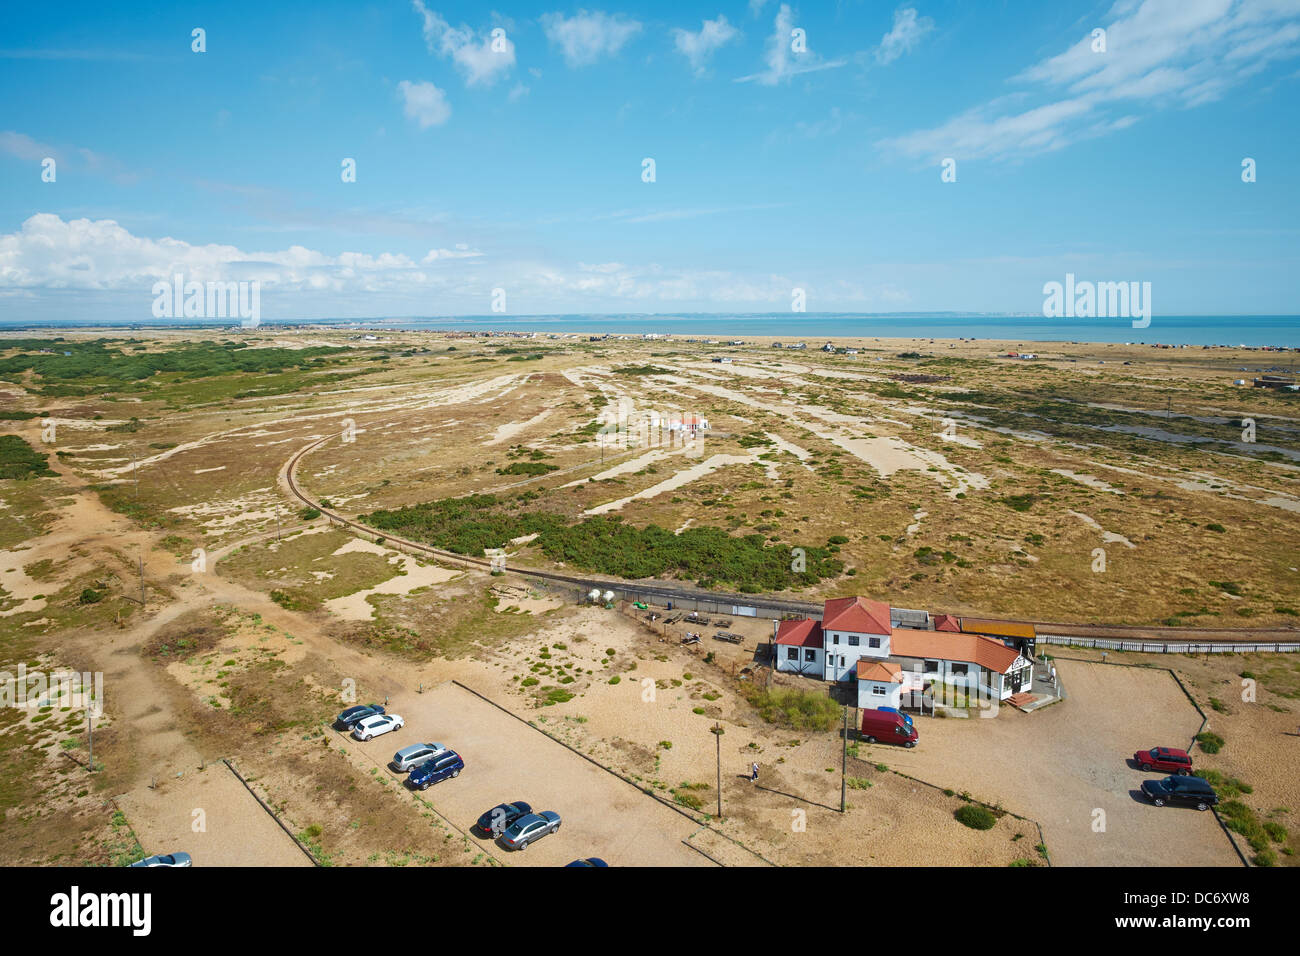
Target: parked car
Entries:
(529, 828)
(166, 859)
(1181, 792)
(354, 715)
(369, 727)
(436, 769)
(907, 718)
(408, 758)
(888, 727)
(501, 817)
(1164, 759)
(587, 861)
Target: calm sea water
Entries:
(1249, 330)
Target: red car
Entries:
(1164, 759)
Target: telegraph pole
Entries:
(90, 740)
(844, 762)
(142, 575)
(717, 736)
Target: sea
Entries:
(1252, 331)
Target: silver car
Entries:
(408, 758)
(166, 859)
(530, 828)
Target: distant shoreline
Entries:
(1281, 333)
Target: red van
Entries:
(887, 727)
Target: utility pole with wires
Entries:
(142, 576)
(717, 731)
(844, 763)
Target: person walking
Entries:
(753, 772)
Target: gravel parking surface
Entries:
(1064, 763)
(237, 831)
(506, 760)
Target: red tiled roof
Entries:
(856, 614)
(879, 670)
(802, 633)
(947, 622)
(969, 648)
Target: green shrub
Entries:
(1210, 742)
(976, 817)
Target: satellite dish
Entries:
(594, 594)
(609, 596)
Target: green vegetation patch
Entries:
(607, 544)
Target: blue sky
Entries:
(776, 167)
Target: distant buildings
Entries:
(1275, 381)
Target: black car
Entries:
(1181, 792)
(495, 821)
(353, 715)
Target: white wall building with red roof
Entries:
(855, 641)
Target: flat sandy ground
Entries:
(506, 760)
(1065, 762)
(236, 830)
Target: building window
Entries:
(879, 690)
(873, 642)
(810, 655)
(932, 667)
(835, 638)
(792, 653)
(853, 640)
(960, 669)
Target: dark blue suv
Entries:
(436, 769)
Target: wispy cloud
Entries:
(481, 59)
(698, 47)
(424, 103)
(782, 62)
(23, 147)
(907, 32)
(586, 37)
(1158, 54)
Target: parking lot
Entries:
(1064, 763)
(507, 760)
(235, 831)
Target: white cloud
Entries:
(462, 251)
(81, 261)
(907, 33)
(698, 47)
(22, 146)
(585, 37)
(474, 56)
(424, 103)
(782, 62)
(100, 255)
(1159, 54)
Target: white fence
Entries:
(1174, 647)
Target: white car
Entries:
(374, 726)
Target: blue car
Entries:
(587, 861)
(907, 718)
(436, 769)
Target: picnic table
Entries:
(728, 637)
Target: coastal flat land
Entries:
(1118, 484)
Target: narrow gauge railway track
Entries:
(1176, 635)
